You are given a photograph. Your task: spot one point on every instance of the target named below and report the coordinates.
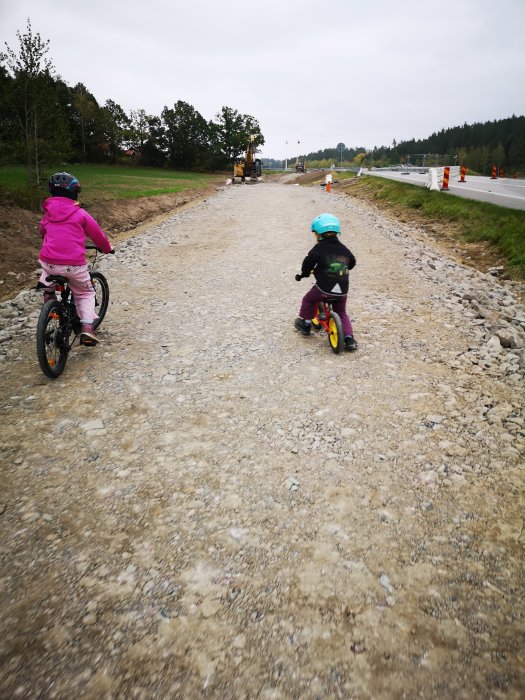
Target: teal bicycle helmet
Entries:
(326, 223)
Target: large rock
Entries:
(509, 337)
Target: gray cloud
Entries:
(361, 73)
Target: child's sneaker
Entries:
(350, 343)
(302, 326)
(87, 335)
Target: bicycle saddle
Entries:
(60, 279)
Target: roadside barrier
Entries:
(463, 173)
(436, 177)
(446, 175)
(432, 180)
(494, 175)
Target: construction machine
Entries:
(300, 166)
(249, 166)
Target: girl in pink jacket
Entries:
(64, 229)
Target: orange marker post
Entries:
(494, 175)
(328, 186)
(446, 175)
(463, 173)
(501, 172)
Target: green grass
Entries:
(502, 228)
(105, 182)
(345, 175)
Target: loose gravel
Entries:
(210, 505)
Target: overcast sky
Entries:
(361, 72)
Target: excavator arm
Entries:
(250, 166)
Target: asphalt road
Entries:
(503, 192)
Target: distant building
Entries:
(133, 153)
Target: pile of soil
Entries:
(20, 240)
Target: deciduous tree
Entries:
(186, 133)
(36, 117)
(230, 134)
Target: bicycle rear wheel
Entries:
(336, 338)
(52, 339)
(101, 287)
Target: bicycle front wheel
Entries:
(51, 340)
(101, 287)
(336, 338)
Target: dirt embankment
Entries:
(20, 240)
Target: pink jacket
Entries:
(64, 229)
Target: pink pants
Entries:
(80, 284)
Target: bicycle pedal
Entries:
(88, 342)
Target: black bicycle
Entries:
(59, 325)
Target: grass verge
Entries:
(104, 182)
(503, 229)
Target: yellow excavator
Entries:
(250, 166)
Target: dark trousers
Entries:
(314, 296)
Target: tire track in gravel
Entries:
(211, 505)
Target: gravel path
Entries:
(210, 505)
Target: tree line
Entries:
(478, 146)
(324, 158)
(44, 121)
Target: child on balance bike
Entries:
(330, 261)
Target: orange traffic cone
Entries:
(494, 175)
(463, 173)
(446, 175)
(328, 186)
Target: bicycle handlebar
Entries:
(94, 247)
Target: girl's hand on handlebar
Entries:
(99, 250)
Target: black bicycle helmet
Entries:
(64, 185)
